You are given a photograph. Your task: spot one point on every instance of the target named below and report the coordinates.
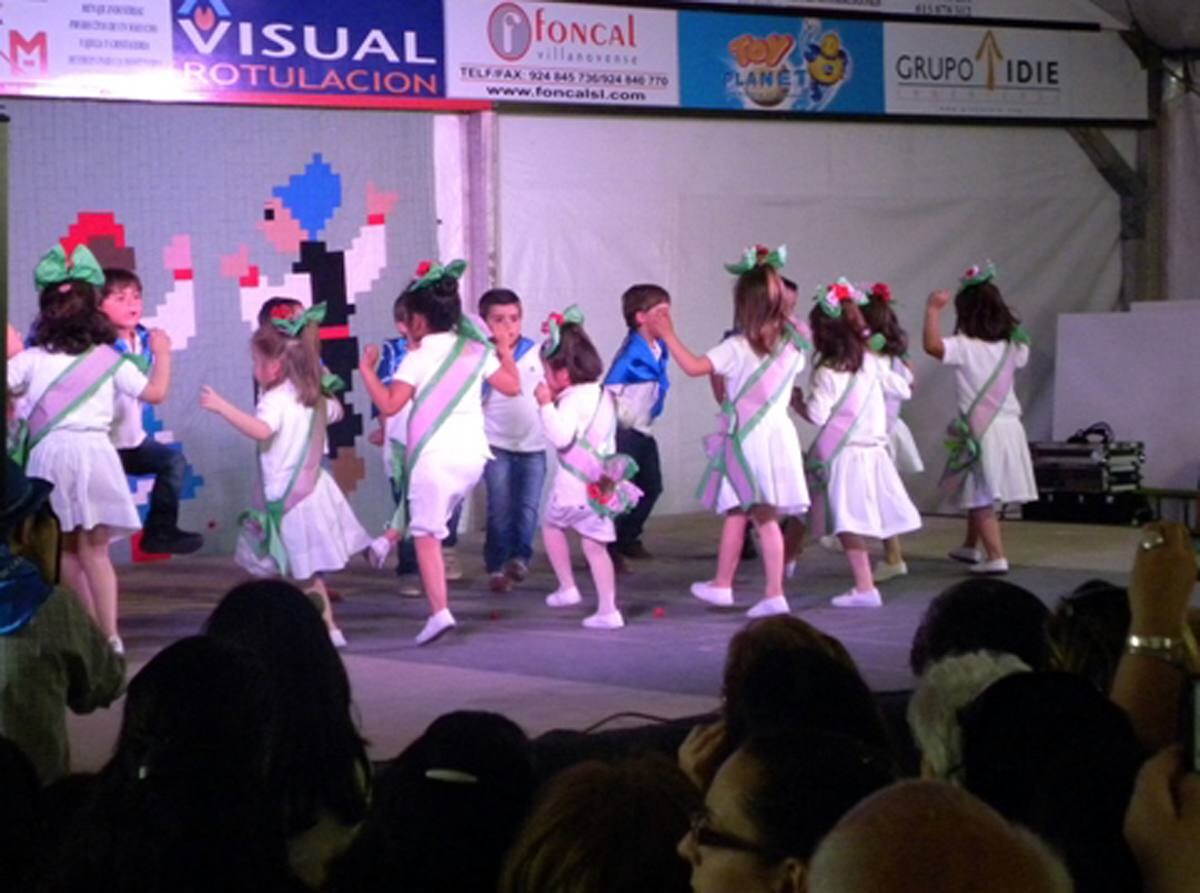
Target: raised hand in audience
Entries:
(702, 752)
(1162, 825)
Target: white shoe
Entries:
(885, 570)
(437, 624)
(451, 566)
(611, 620)
(992, 568)
(769, 607)
(715, 595)
(967, 554)
(789, 569)
(564, 598)
(115, 643)
(831, 542)
(852, 598)
(337, 637)
(378, 551)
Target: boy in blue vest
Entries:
(638, 380)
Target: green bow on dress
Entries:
(55, 268)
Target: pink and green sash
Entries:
(771, 381)
(830, 441)
(610, 492)
(264, 522)
(964, 436)
(73, 386)
(432, 405)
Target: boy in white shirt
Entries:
(515, 474)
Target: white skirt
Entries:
(866, 495)
(439, 484)
(90, 487)
(579, 518)
(903, 450)
(773, 453)
(1004, 472)
(320, 534)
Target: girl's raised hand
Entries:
(659, 321)
(210, 399)
(160, 341)
(939, 299)
(369, 358)
(542, 394)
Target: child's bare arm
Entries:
(389, 399)
(932, 334)
(160, 370)
(661, 326)
(254, 428)
(506, 379)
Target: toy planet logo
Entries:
(786, 71)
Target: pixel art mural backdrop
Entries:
(218, 209)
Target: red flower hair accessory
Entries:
(422, 268)
(283, 311)
(880, 290)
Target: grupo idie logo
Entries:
(509, 32)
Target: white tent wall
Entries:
(591, 205)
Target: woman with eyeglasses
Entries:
(769, 805)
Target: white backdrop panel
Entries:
(1138, 372)
(589, 206)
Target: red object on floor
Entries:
(659, 613)
(139, 555)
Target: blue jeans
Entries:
(406, 552)
(514, 490)
(167, 464)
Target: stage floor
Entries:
(512, 654)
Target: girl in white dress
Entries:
(445, 448)
(889, 341)
(69, 380)
(306, 528)
(579, 419)
(990, 464)
(755, 472)
(861, 494)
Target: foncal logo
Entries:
(27, 55)
(509, 32)
(577, 34)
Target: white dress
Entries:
(568, 416)
(1005, 470)
(77, 456)
(865, 493)
(901, 445)
(320, 533)
(772, 449)
(452, 461)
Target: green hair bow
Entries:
(430, 271)
(757, 256)
(293, 326)
(54, 268)
(552, 327)
(977, 275)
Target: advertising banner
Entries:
(84, 48)
(299, 52)
(780, 64)
(561, 53)
(1012, 72)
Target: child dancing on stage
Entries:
(445, 449)
(856, 490)
(70, 379)
(754, 471)
(591, 486)
(889, 342)
(304, 527)
(989, 459)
